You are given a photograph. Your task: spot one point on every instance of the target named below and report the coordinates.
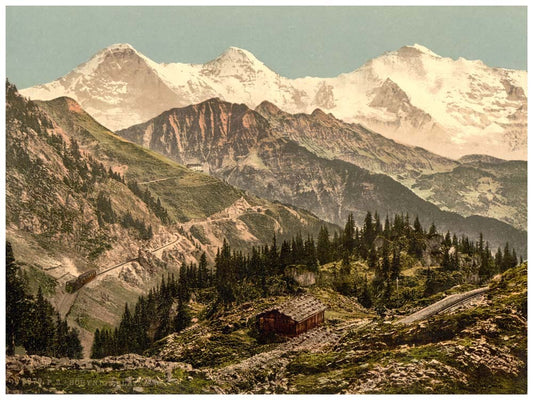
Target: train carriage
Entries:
(75, 284)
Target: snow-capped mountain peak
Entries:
(236, 54)
(113, 55)
(423, 49)
(451, 107)
(235, 61)
(120, 46)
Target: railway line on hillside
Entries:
(72, 296)
(442, 305)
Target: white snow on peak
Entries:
(462, 97)
(120, 46)
(236, 55)
(424, 49)
(89, 67)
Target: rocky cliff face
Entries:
(331, 138)
(252, 152)
(451, 107)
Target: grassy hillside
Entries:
(187, 194)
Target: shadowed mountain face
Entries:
(331, 138)
(242, 147)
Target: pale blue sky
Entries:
(45, 43)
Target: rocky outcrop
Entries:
(22, 370)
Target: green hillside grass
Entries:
(187, 194)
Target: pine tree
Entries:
(310, 254)
(418, 227)
(323, 247)
(97, 348)
(348, 237)
(498, 260)
(284, 254)
(508, 261)
(372, 258)
(365, 299)
(368, 235)
(40, 339)
(378, 228)
(396, 265)
(182, 318)
(203, 273)
(16, 306)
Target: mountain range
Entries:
(244, 148)
(450, 107)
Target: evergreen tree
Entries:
(396, 265)
(365, 298)
(418, 227)
(225, 275)
(378, 228)
(203, 273)
(16, 304)
(432, 230)
(508, 261)
(310, 254)
(368, 235)
(387, 230)
(372, 258)
(498, 259)
(285, 256)
(182, 318)
(323, 247)
(40, 339)
(348, 237)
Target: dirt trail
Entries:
(276, 360)
(159, 180)
(65, 303)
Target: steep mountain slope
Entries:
(451, 107)
(473, 185)
(495, 189)
(238, 144)
(79, 198)
(331, 138)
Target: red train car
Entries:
(76, 283)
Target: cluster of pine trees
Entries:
(24, 111)
(32, 322)
(162, 311)
(240, 278)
